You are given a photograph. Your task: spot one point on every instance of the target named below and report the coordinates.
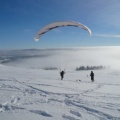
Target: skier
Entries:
(92, 76)
(62, 74)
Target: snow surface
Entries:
(29, 92)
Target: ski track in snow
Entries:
(67, 102)
(91, 90)
(90, 110)
(77, 103)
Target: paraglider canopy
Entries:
(60, 24)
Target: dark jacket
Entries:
(62, 74)
(92, 75)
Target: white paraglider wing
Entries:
(60, 24)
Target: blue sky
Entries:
(21, 19)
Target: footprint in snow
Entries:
(69, 117)
(7, 107)
(75, 113)
(4, 107)
(118, 109)
(40, 112)
(15, 100)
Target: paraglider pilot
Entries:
(92, 76)
(62, 74)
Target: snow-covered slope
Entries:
(38, 94)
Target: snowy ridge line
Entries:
(6, 59)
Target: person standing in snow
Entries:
(62, 74)
(92, 76)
